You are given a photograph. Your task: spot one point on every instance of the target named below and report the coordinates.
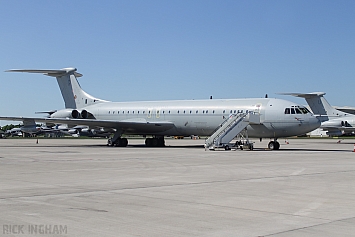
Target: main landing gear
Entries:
(274, 145)
(155, 142)
(119, 142)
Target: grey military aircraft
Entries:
(218, 118)
(334, 121)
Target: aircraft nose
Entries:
(314, 123)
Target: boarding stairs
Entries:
(228, 130)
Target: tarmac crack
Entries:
(311, 226)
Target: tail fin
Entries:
(319, 105)
(74, 97)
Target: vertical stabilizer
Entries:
(318, 104)
(74, 97)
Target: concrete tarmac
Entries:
(80, 187)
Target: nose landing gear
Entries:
(274, 145)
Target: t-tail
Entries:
(74, 96)
(319, 105)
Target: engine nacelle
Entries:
(335, 123)
(72, 113)
(64, 113)
(84, 114)
(75, 114)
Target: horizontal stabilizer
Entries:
(52, 73)
(305, 95)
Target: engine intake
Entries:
(84, 114)
(75, 114)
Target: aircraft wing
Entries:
(127, 126)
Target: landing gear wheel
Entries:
(155, 142)
(121, 142)
(109, 142)
(274, 145)
(227, 148)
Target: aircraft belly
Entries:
(278, 129)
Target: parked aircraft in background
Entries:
(2, 133)
(13, 132)
(334, 121)
(218, 118)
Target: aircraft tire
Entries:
(271, 145)
(148, 142)
(274, 145)
(109, 142)
(161, 142)
(121, 142)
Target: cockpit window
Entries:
(297, 110)
(304, 110)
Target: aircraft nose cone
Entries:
(314, 123)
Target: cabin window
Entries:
(86, 101)
(190, 111)
(178, 111)
(235, 111)
(224, 111)
(108, 112)
(196, 111)
(212, 111)
(113, 112)
(127, 112)
(184, 111)
(122, 112)
(206, 111)
(133, 112)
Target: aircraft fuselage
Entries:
(202, 117)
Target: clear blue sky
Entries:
(160, 50)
